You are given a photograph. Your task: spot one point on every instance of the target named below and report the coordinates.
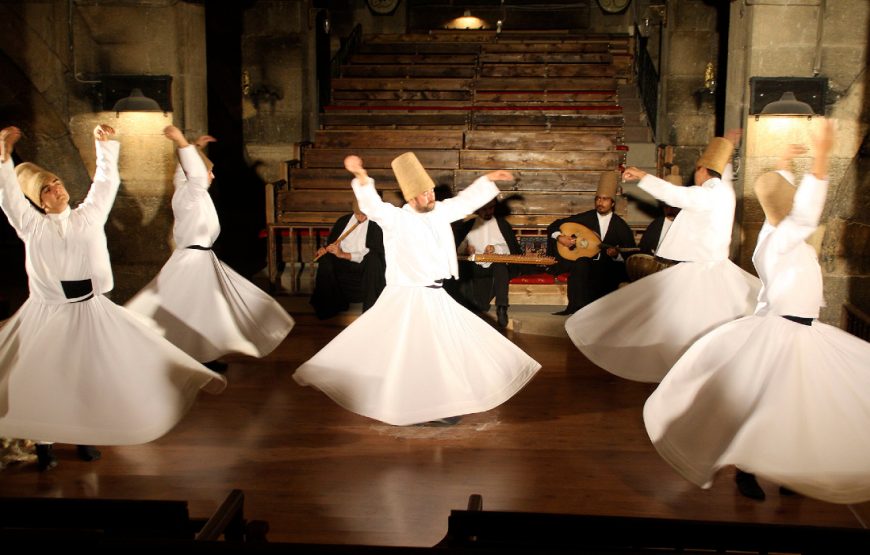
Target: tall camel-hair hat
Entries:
(776, 195)
(607, 184)
(411, 175)
(716, 155)
(31, 178)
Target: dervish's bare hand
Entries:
(103, 132)
(8, 137)
(633, 174)
(500, 175)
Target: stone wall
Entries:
(778, 38)
(49, 90)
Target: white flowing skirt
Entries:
(416, 356)
(639, 331)
(788, 402)
(92, 373)
(208, 310)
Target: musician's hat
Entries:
(412, 177)
(674, 178)
(716, 155)
(607, 184)
(776, 195)
(31, 178)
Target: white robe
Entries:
(786, 401)
(639, 331)
(417, 355)
(199, 303)
(84, 370)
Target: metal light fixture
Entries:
(787, 105)
(136, 102)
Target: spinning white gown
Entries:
(786, 401)
(417, 355)
(75, 367)
(639, 331)
(199, 303)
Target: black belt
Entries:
(799, 320)
(198, 248)
(439, 283)
(78, 288)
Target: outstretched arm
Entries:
(13, 202)
(101, 196)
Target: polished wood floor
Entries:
(571, 442)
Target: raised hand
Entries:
(203, 140)
(354, 165)
(500, 175)
(788, 154)
(175, 135)
(633, 174)
(103, 132)
(8, 137)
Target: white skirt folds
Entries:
(417, 356)
(208, 310)
(639, 331)
(92, 373)
(788, 402)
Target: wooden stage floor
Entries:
(571, 442)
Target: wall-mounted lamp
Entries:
(136, 102)
(787, 96)
(135, 93)
(467, 21)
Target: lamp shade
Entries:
(136, 102)
(787, 105)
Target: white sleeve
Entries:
(370, 204)
(101, 196)
(697, 198)
(22, 216)
(802, 221)
(469, 199)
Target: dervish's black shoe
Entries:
(748, 485)
(501, 316)
(88, 453)
(45, 459)
(216, 366)
(565, 312)
(787, 492)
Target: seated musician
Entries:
(658, 228)
(350, 269)
(479, 282)
(591, 275)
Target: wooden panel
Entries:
(547, 57)
(547, 47)
(544, 119)
(362, 84)
(526, 159)
(417, 48)
(532, 203)
(537, 140)
(418, 120)
(587, 98)
(567, 84)
(431, 70)
(376, 99)
(408, 139)
(334, 178)
(378, 158)
(548, 71)
(393, 58)
(531, 180)
(314, 201)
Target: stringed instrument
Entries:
(588, 244)
(510, 259)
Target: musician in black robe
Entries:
(351, 270)
(592, 277)
(479, 283)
